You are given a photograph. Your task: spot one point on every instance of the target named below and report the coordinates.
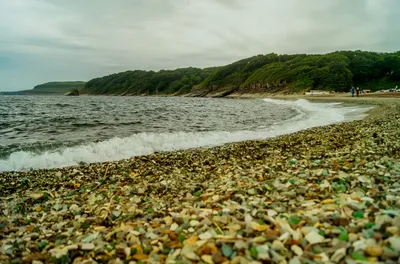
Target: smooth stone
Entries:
(395, 243)
(188, 252)
(205, 236)
(374, 250)
(174, 226)
(338, 255)
(278, 245)
(297, 250)
(295, 260)
(353, 237)
(194, 223)
(314, 238)
(87, 246)
(207, 259)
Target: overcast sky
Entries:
(56, 40)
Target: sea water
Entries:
(57, 131)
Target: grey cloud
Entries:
(57, 44)
(234, 4)
(84, 39)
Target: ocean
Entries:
(57, 131)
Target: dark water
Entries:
(40, 123)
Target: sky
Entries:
(68, 40)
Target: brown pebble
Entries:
(140, 256)
(272, 234)
(377, 236)
(207, 250)
(374, 250)
(217, 257)
(175, 244)
(341, 221)
(121, 253)
(173, 236)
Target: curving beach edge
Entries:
(322, 195)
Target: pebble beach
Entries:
(324, 195)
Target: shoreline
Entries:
(379, 102)
(379, 108)
(281, 129)
(319, 194)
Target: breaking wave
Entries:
(309, 115)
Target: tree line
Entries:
(336, 71)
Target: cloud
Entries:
(45, 40)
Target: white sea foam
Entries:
(310, 115)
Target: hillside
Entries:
(336, 71)
(179, 81)
(271, 73)
(50, 88)
(56, 87)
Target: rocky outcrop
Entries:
(74, 92)
(260, 87)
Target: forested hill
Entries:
(57, 87)
(270, 73)
(50, 88)
(179, 81)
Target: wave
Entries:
(309, 115)
(62, 105)
(97, 123)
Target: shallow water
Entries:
(57, 131)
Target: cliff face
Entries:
(221, 91)
(270, 73)
(265, 87)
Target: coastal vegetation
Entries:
(58, 87)
(179, 81)
(50, 88)
(336, 71)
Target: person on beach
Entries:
(352, 91)
(358, 91)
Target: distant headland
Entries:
(50, 88)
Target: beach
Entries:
(322, 195)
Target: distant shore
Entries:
(325, 194)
